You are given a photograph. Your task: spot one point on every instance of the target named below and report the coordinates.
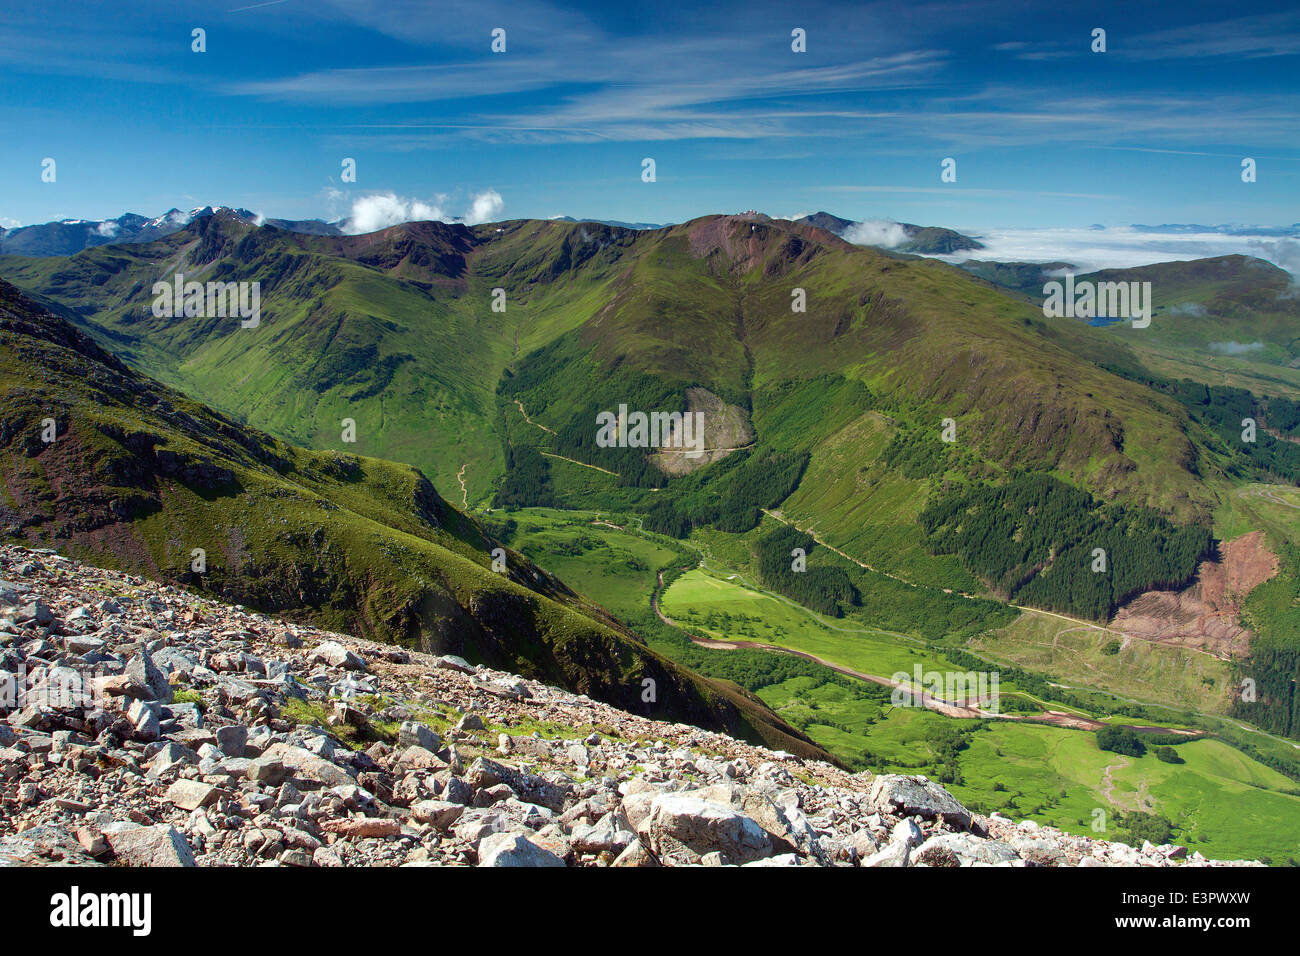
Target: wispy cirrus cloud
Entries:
(1257, 36)
(772, 105)
(1247, 37)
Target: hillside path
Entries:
(970, 597)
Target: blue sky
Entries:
(1045, 132)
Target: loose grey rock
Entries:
(916, 796)
(144, 674)
(963, 849)
(336, 655)
(232, 740)
(161, 845)
(267, 771)
(514, 849)
(192, 794)
(681, 828)
(413, 734)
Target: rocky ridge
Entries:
(142, 725)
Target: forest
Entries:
(1223, 411)
(1042, 542)
(825, 590)
(729, 495)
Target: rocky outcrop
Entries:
(145, 726)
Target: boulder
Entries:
(917, 796)
(144, 718)
(514, 849)
(146, 680)
(305, 765)
(232, 740)
(336, 655)
(611, 834)
(161, 845)
(363, 827)
(485, 773)
(267, 771)
(439, 813)
(192, 794)
(414, 734)
(964, 849)
(636, 855)
(37, 612)
(170, 759)
(681, 828)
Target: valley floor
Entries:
(1037, 758)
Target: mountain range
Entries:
(413, 399)
(397, 330)
(68, 236)
(920, 240)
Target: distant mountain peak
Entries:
(893, 235)
(69, 236)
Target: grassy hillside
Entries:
(496, 396)
(1227, 320)
(138, 477)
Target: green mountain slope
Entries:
(107, 465)
(398, 331)
(1227, 320)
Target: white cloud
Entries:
(876, 232)
(1123, 247)
(109, 228)
(487, 206)
(382, 210)
(1236, 348)
(379, 211)
(1281, 252)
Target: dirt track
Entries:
(1054, 717)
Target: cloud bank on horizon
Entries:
(1125, 247)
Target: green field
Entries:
(614, 569)
(1075, 655)
(718, 605)
(1274, 509)
(1219, 800)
